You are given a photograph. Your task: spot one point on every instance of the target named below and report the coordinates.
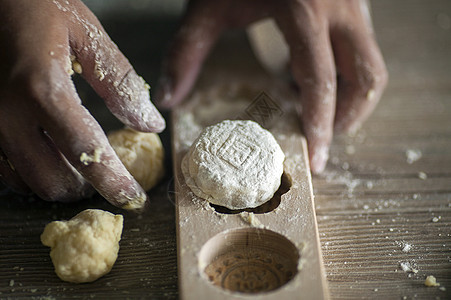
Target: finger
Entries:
(362, 72)
(111, 75)
(82, 141)
(9, 176)
(201, 26)
(40, 164)
(313, 69)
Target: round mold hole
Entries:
(249, 260)
(268, 206)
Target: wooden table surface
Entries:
(378, 212)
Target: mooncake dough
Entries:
(141, 153)
(84, 248)
(236, 164)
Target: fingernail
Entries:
(153, 118)
(135, 202)
(319, 159)
(163, 96)
(352, 130)
(159, 123)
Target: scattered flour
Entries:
(406, 247)
(413, 155)
(436, 219)
(408, 267)
(422, 175)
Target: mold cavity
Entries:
(270, 205)
(249, 260)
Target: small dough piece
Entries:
(86, 247)
(236, 164)
(431, 281)
(141, 153)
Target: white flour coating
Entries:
(236, 164)
(109, 61)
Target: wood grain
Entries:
(361, 263)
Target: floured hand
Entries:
(328, 39)
(49, 143)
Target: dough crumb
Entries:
(431, 281)
(141, 153)
(99, 72)
(251, 219)
(87, 159)
(76, 66)
(370, 95)
(84, 248)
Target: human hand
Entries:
(49, 143)
(327, 40)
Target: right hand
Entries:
(49, 143)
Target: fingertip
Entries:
(164, 95)
(130, 103)
(346, 125)
(159, 125)
(153, 120)
(135, 203)
(318, 159)
(128, 195)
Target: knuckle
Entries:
(34, 85)
(42, 83)
(373, 79)
(311, 8)
(53, 194)
(63, 192)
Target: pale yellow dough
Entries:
(84, 248)
(141, 153)
(431, 281)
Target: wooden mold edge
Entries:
(197, 222)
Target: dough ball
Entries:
(236, 164)
(84, 248)
(141, 153)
